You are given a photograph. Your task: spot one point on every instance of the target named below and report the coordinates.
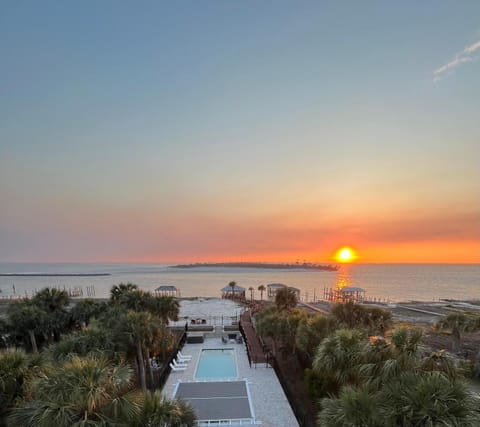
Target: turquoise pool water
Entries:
(216, 363)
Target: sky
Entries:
(239, 131)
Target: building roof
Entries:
(235, 289)
(276, 285)
(166, 288)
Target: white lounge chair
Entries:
(179, 364)
(183, 356)
(177, 368)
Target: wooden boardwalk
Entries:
(255, 350)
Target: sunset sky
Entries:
(239, 131)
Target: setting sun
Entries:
(345, 254)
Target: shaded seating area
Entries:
(195, 338)
(167, 291)
(232, 338)
(236, 292)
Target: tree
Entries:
(27, 318)
(15, 374)
(261, 288)
(339, 357)
(312, 331)
(53, 302)
(118, 292)
(428, 399)
(85, 310)
(353, 315)
(251, 289)
(353, 407)
(159, 411)
(458, 323)
(167, 308)
(89, 391)
(286, 299)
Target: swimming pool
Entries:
(216, 363)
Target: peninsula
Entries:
(296, 266)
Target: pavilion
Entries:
(167, 291)
(237, 292)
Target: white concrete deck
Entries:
(269, 403)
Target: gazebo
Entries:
(167, 291)
(237, 292)
(272, 289)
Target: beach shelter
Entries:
(167, 291)
(272, 289)
(237, 292)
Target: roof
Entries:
(235, 289)
(276, 285)
(352, 289)
(166, 288)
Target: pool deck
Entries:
(270, 405)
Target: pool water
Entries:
(216, 363)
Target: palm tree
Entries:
(118, 292)
(261, 288)
(428, 399)
(339, 358)
(251, 289)
(25, 317)
(353, 407)
(312, 331)
(140, 328)
(53, 302)
(51, 299)
(85, 310)
(167, 308)
(88, 391)
(159, 411)
(286, 299)
(15, 374)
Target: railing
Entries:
(230, 422)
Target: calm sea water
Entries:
(393, 282)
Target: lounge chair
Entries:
(179, 364)
(177, 368)
(183, 356)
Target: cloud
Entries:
(466, 55)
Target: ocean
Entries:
(385, 282)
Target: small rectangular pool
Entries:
(216, 363)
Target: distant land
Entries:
(54, 274)
(303, 266)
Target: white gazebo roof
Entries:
(276, 285)
(166, 288)
(235, 289)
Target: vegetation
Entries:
(86, 360)
(362, 373)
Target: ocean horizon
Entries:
(384, 282)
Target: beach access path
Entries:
(254, 347)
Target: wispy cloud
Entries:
(466, 55)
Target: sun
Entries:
(345, 254)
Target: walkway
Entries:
(254, 347)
